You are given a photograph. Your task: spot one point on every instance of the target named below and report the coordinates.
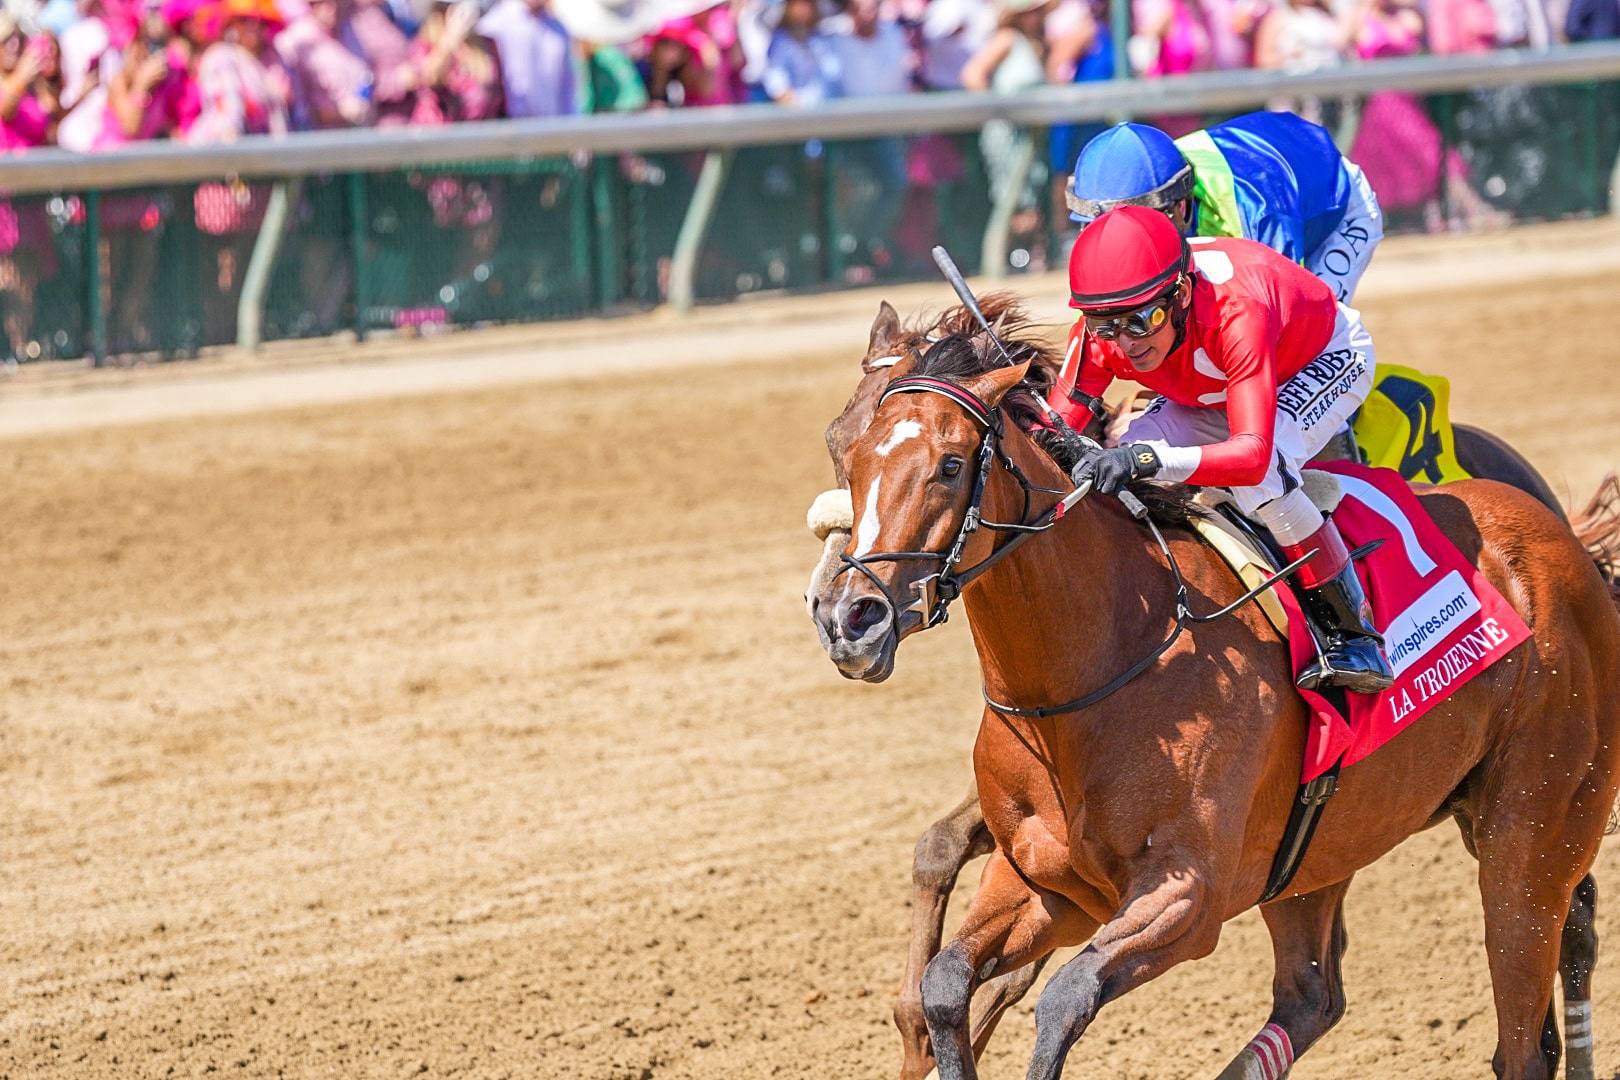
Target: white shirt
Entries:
(874, 65)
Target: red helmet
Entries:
(1124, 259)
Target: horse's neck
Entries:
(1072, 608)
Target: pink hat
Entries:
(175, 12)
(683, 30)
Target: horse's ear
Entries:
(993, 385)
(886, 335)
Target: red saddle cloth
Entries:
(1443, 622)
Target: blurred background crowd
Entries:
(93, 75)
(89, 75)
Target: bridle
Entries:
(936, 592)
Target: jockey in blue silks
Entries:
(1266, 176)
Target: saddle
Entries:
(1442, 620)
(1244, 546)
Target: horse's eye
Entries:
(950, 467)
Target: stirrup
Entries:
(1320, 674)
(1346, 659)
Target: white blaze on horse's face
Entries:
(866, 532)
(903, 430)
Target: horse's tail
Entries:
(1597, 526)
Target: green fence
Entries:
(158, 272)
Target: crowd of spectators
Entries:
(91, 75)
(94, 74)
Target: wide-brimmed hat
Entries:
(265, 11)
(18, 16)
(942, 18)
(213, 17)
(615, 22)
(683, 30)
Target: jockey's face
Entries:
(1145, 351)
(1180, 215)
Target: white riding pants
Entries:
(1343, 257)
(1311, 408)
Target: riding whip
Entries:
(947, 266)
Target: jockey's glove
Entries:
(1111, 470)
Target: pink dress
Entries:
(27, 127)
(239, 94)
(24, 225)
(1397, 145)
(170, 106)
(1461, 26)
(1185, 47)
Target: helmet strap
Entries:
(1179, 312)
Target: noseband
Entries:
(936, 592)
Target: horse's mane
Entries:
(962, 355)
(1003, 310)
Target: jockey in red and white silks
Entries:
(1257, 367)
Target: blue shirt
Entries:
(1271, 177)
(809, 69)
(536, 55)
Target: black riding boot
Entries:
(1352, 653)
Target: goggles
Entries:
(1141, 323)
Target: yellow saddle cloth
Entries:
(1405, 425)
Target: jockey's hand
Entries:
(1111, 470)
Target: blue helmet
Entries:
(1127, 165)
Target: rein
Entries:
(937, 591)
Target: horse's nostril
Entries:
(861, 616)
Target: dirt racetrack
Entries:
(481, 733)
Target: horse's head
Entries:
(893, 351)
(913, 475)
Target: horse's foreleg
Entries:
(1307, 991)
(1007, 925)
(942, 851)
(1158, 927)
(1577, 956)
(992, 1000)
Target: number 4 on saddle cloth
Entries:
(1404, 425)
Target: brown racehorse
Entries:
(1141, 825)
(951, 842)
